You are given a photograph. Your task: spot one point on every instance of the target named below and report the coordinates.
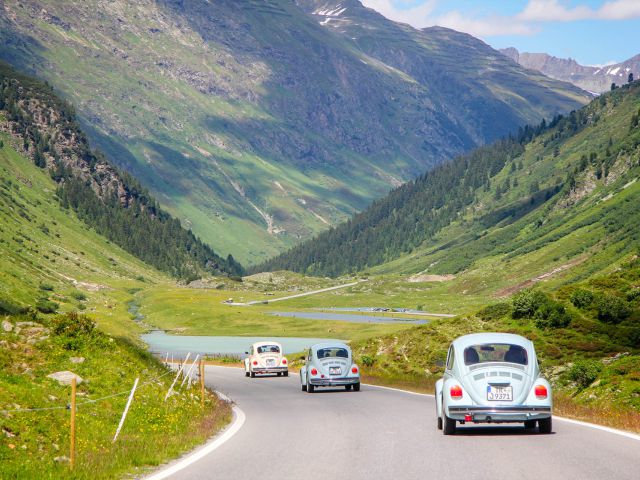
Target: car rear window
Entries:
(333, 353)
(269, 349)
(495, 352)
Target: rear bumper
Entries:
(269, 369)
(334, 382)
(485, 414)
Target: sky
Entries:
(592, 32)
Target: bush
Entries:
(612, 309)
(633, 294)
(526, 302)
(7, 307)
(72, 325)
(582, 298)
(44, 305)
(584, 372)
(552, 314)
(47, 287)
(367, 360)
(80, 296)
(495, 311)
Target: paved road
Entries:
(383, 434)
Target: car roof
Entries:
(266, 342)
(491, 337)
(321, 345)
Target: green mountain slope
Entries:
(558, 196)
(44, 128)
(256, 125)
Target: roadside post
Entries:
(72, 443)
(201, 383)
(126, 409)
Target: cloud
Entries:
(527, 22)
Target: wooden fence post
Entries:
(72, 445)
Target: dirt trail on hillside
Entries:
(505, 292)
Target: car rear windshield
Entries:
(495, 352)
(269, 349)
(333, 353)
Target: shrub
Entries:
(582, 298)
(633, 294)
(495, 311)
(80, 296)
(72, 325)
(612, 309)
(7, 307)
(367, 360)
(46, 287)
(584, 372)
(552, 314)
(526, 303)
(44, 305)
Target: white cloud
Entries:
(526, 22)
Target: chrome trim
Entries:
(494, 410)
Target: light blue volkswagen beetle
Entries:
(329, 365)
(493, 378)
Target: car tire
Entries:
(529, 424)
(304, 388)
(246, 374)
(439, 423)
(279, 374)
(253, 374)
(286, 374)
(448, 426)
(545, 425)
(356, 387)
(310, 388)
(347, 387)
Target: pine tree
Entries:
(630, 77)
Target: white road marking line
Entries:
(239, 419)
(594, 426)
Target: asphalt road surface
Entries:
(384, 434)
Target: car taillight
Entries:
(284, 361)
(354, 369)
(255, 362)
(540, 391)
(314, 371)
(456, 391)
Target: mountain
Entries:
(556, 196)
(592, 79)
(260, 123)
(43, 128)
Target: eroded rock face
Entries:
(65, 377)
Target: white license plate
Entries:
(335, 371)
(271, 362)
(504, 394)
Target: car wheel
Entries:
(304, 388)
(448, 426)
(253, 374)
(286, 374)
(347, 387)
(529, 424)
(279, 374)
(310, 388)
(246, 374)
(356, 387)
(545, 425)
(439, 423)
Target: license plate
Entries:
(335, 371)
(271, 362)
(499, 393)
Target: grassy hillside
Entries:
(255, 125)
(560, 196)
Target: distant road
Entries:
(314, 292)
(379, 434)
